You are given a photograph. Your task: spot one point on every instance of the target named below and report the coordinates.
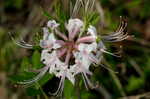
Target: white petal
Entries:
(52, 24)
(86, 62)
(45, 44)
(56, 46)
(91, 47)
(48, 57)
(92, 31)
(74, 22)
(74, 25)
(46, 33)
(51, 38)
(87, 47)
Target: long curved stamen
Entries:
(37, 70)
(93, 58)
(86, 81)
(35, 79)
(21, 43)
(109, 69)
(104, 51)
(60, 87)
(118, 40)
(119, 35)
(123, 23)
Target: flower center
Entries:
(71, 45)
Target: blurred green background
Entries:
(26, 17)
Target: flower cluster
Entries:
(68, 54)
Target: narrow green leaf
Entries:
(68, 90)
(36, 60)
(45, 79)
(31, 91)
(24, 65)
(22, 77)
(87, 95)
(47, 14)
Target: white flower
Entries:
(52, 24)
(49, 42)
(83, 51)
(74, 26)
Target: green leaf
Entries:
(68, 90)
(22, 77)
(144, 9)
(44, 79)
(62, 16)
(36, 60)
(45, 13)
(24, 65)
(91, 19)
(37, 48)
(94, 18)
(134, 83)
(14, 3)
(134, 3)
(31, 91)
(87, 95)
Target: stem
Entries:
(139, 96)
(45, 96)
(101, 90)
(77, 88)
(38, 96)
(136, 67)
(116, 80)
